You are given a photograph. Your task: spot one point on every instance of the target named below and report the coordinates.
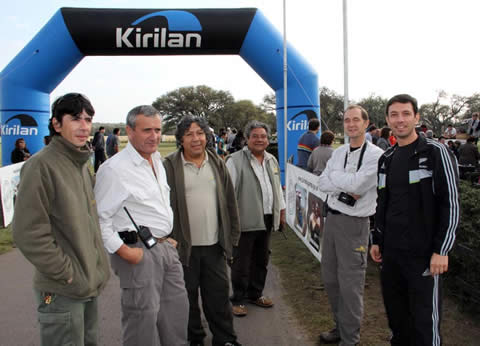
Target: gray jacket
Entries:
(249, 192)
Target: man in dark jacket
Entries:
(56, 227)
(468, 153)
(98, 144)
(416, 221)
(206, 226)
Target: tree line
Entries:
(221, 110)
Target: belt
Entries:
(131, 237)
(333, 211)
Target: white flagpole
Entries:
(285, 69)
(345, 61)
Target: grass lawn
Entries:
(5, 240)
(301, 277)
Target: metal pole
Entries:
(285, 70)
(345, 61)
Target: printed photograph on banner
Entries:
(315, 221)
(300, 209)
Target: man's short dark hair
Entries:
(327, 138)
(403, 98)
(101, 128)
(371, 128)
(185, 124)
(116, 131)
(313, 124)
(71, 103)
(471, 139)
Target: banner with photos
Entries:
(305, 208)
(9, 179)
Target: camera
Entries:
(347, 199)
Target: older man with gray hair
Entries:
(154, 298)
(256, 178)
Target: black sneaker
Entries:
(197, 343)
(232, 343)
(330, 337)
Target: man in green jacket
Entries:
(56, 227)
(206, 226)
(256, 178)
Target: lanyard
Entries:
(360, 159)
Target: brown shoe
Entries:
(239, 310)
(263, 301)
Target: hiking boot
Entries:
(330, 337)
(239, 310)
(263, 302)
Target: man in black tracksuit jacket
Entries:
(416, 221)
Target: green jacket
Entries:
(55, 224)
(249, 192)
(229, 227)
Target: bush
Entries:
(463, 277)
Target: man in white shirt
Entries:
(350, 180)
(154, 298)
(450, 132)
(256, 178)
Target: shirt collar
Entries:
(185, 162)
(136, 157)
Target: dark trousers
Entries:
(99, 159)
(412, 299)
(250, 261)
(207, 271)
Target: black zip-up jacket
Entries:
(433, 201)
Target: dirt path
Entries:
(262, 327)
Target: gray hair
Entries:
(255, 124)
(429, 134)
(145, 110)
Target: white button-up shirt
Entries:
(127, 180)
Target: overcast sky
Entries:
(408, 46)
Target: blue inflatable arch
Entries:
(73, 33)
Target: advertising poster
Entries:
(305, 208)
(9, 179)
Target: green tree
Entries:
(445, 110)
(375, 106)
(331, 110)
(239, 113)
(200, 101)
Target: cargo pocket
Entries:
(56, 328)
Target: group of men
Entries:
(412, 189)
(172, 227)
(169, 227)
(100, 148)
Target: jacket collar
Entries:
(77, 155)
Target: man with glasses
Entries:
(56, 227)
(256, 178)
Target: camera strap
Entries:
(360, 159)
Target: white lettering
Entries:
(160, 38)
(124, 38)
(17, 130)
(293, 125)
